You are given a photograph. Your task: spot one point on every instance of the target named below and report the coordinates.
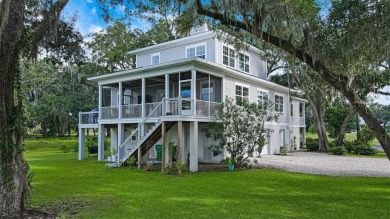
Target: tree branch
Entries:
(50, 18)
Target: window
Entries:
(242, 93)
(278, 103)
(243, 62)
(155, 58)
(262, 99)
(197, 50)
(228, 56)
(301, 109)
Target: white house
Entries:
(173, 92)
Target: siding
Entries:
(257, 65)
(230, 92)
(176, 53)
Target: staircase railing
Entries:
(140, 136)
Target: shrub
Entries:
(283, 150)
(364, 150)
(349, 146)
(332, 144)
(339, 150)
(366, 136)
(312, 144)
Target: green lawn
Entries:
(91, 190)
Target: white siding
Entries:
(257, 65)
(176, 53)
(230, 86)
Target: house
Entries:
(173, 93)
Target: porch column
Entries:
(140, 133)
(81, 143)
(179, 140)
(166, 92)
(114, 138)
(163, 138)
(100, 100)
(121, 138)
(143, 92)
(101, 136)
(120, 92)
(139, 157)
(193, 92)
(194, 146)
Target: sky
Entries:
(89, 21)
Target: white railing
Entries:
(167, 107)
(205, 108)
(141, 133)
(178, 106)
(109, 112)
(88, 117)
(132, 111)
(302, 120)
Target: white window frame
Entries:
(242, 90)
(154, 55)
(264, 104)
(229, 57)
(276, 104)
(196, 46)
(244, 63)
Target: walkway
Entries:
(325, 164)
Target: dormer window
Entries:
(196, 51)
(243, 62)
(155, 58)
(229, 56)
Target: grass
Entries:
(100, 192)
(348, 137)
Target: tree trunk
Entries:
(343, 128)
(358, 129)
(317, 109)
(13, 168)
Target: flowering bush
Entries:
(239, 129)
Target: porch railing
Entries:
(109, 112)
(132, 111)
(168, 107)
(88, 117)
(205, 108)
(301, 120)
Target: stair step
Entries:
(111, 164)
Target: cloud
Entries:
(94, 28)
(93, 11)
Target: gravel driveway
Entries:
(325, 164)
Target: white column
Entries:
(180, 154)
(100, 100)
(121, 138)
(143, 88)
(81, 143)
(166, 85)
(163, 148)
(101, 136)
(120, 93)
(194, 146)
(114, 138)
(193, 92)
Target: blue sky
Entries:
(87, 11)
